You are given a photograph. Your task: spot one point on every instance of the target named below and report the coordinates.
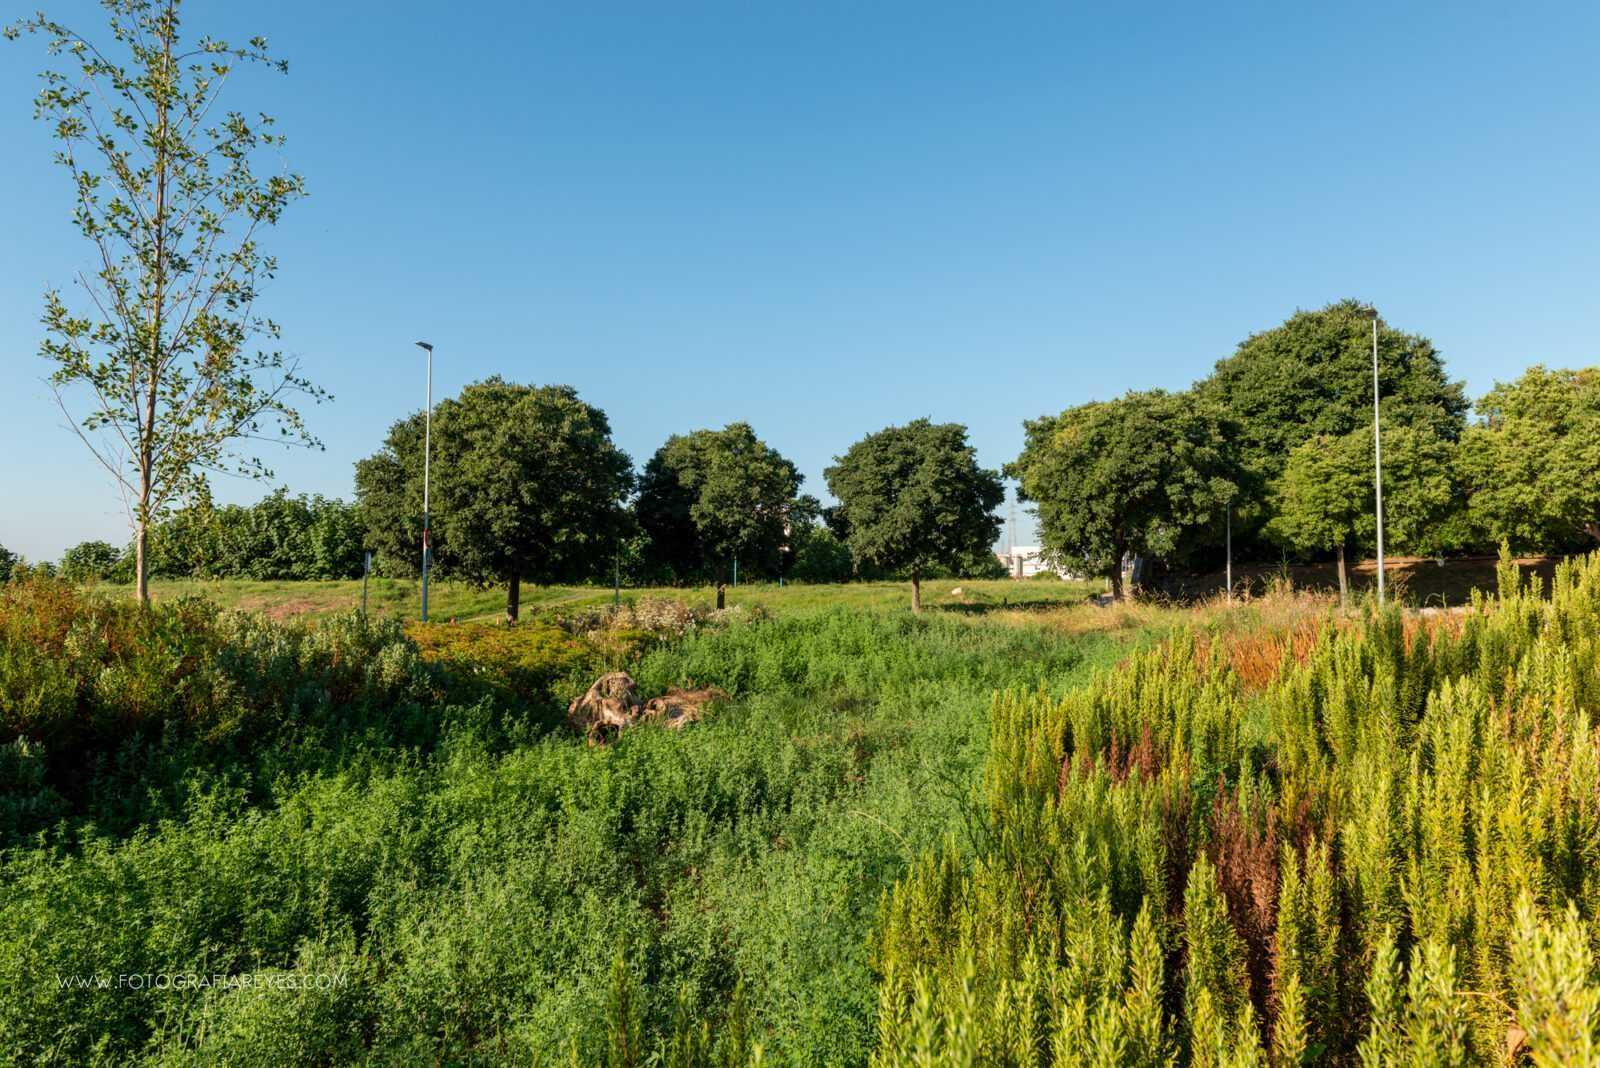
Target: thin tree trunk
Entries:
(141, 562)
(1344, 579)
(916, 591)
(1117, 592)
(513, 597)
(147, 432)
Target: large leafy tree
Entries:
(165, 370)
(526, 484)
(1312, 377)
(712, 496)
(1532, 463)
(1146, 474)
(1326, 498)
(912, 498)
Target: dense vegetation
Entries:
(1370, 842)
(1283, 836)
(188, 791)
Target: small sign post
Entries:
(365, 571)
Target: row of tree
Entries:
(527, 483)
(1278, 441)
(1276, 445)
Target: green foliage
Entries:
(1326, 497)
(912, 499)
(1380, 849)
(1529, 464)
(279, 537)
(819, 555)
(164, 356)
(456, 885)
(90, 561)
(1312, 377)
(526, 483)
(8, 563)
(1146, 474)
(712, 495)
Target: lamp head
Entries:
(424, 345)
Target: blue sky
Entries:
(827, 218)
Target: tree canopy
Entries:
(711, 496)
(1311, 377)
(1144, 474)
(1531, 465)
(913, 498)
(526, 483)
(1326, 497)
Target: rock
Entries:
(612, 705)
(677, 708)
(609, 707)
(957, 592)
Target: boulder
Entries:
(607, 708)
(612, 705)
(677, 708)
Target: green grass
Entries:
(485, 893)
(452, 600)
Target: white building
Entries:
(1026, 561)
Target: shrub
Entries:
(1383, 849)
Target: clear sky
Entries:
(825, 218)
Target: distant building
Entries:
(1026, 561)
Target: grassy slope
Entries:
(450, 600)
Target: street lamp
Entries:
(427, 450)
(1377, 451)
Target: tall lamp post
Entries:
(1377, 452)
(427, 451)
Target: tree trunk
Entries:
(916, 591)
(141, 563)
(513, 598)
(1344, 579)
(1117, 592)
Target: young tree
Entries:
(1312, 377)
(913, 497)
(1532, 464)
(711, 496)
(526, 483)
(1326, 497)
(1144, 474)
(165, 189)
(8, 562)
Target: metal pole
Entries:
(427, 455)
(365, 571)
(616, 591)
(1377, 453)
(1230, 552)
